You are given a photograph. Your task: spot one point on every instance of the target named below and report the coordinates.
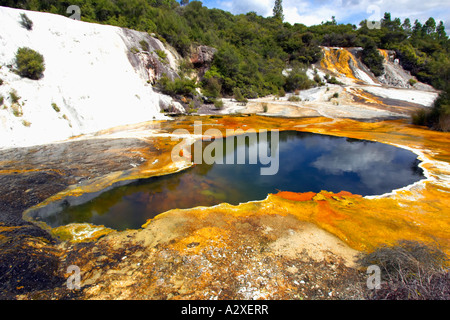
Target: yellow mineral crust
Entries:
(384, 53)
(338, 60)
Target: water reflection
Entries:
(308, 162)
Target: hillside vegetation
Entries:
(253, 50)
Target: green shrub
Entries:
(144, 45)
(1, 82)
(17, 110)
(192, 108)
(26, 22)
(186, 67)
(333, 96)
(333, 80)
(294, 99)
(55, 107)
(238, 96)
(412, 82)
(29, 63)
(218, 104)
(438, 118)
(372, 58)
(14, 97)
(2, 99)
(317, 78)
(212, 87)
(265, 107)
(297, 80)
(134, 50)
(162, 55)
(419, 117)
(184, 86)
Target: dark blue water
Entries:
(307, 162)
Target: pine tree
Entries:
(406, 25)
(278, 10)
(440, 29)
(429, 27)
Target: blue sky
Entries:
(311, 12)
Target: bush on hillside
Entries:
(184, 87)
(30, 63)
(26, 22)
(438, 118)
(298, 80)
(372, 58)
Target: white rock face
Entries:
(88, 76)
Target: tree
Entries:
(417, 29)
(26, 22)
(430, 26)
(29, 63)
(386, 21)
(278, 10)
(333, 21)
(406, 25)
(440, 30)
(372, 58)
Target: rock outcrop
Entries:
(201, 57)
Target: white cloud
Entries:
(303, 12)
(310, 12)
(261, 7)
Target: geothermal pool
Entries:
(305, 162)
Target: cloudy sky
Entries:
(310, 12)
